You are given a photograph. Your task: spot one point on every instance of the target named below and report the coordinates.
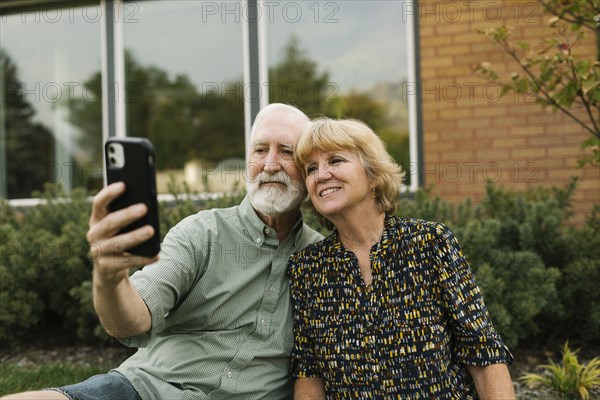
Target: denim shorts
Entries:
(111, 386)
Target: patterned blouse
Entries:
(408, 335)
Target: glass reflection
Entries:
(50, 117)
(184, 74)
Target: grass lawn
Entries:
(40, 366)
(15, 378)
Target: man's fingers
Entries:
(120, 243)
(108, 247)
(113, 222)
(109, 264)
(103, 199)
(110, 255)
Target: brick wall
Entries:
(471, 134)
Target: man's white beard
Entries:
(273, 200)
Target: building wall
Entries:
(470, 134)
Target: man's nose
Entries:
(272, 163)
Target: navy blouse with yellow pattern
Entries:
(409, 334)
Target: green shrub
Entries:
(580, 280)
(44, 254)
(517, 288)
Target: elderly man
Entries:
(211, 317)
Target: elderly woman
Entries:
(384, 307)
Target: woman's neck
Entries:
(361, 230)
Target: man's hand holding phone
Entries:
(108, 244)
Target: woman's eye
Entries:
(335, 161)
(310, 169)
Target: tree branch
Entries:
(575, 19)
(511, 51)
(581, 95)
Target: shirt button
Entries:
(272, 288)
(263, 322)
(230, 374)
(267, 231)
(258, 240)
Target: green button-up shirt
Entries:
(221, 313)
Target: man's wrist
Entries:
(108, 280)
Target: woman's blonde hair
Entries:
(326, 134)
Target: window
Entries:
(184, 80)
(50, 121)
(183, 74)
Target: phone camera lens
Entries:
(113, 161)
(111, 149)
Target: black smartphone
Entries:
(131, 160)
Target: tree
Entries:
(295, 80)
(362, 106)
(182, 123)
(85, 113)
(557, 75)
(27, 167)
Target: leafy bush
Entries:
(580, 279)
(569, 377)
(43, 255)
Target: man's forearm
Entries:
(121, 309)
(309, 389)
